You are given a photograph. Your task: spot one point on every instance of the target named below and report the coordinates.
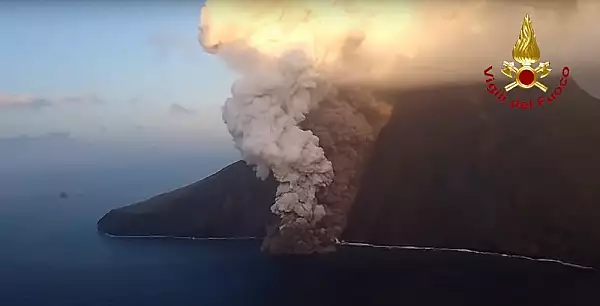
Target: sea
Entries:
(51, 254)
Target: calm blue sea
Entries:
(51, 254)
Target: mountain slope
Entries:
(455, 168)
(452, 168)
(229, 203)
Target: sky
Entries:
(98, 83)
(114, 72)
(104, 70)
(103, 83)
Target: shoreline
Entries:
(436, 249)
(389, 247)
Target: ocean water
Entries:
(51, 254)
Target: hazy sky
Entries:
(110, 71)
(105, 70)
(83, 77)
(118, 89)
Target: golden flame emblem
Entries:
(526, 52)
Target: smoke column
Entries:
(262, 115)
(297, 56)
(269, 100)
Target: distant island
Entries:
(452, 168)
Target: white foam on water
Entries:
(401, 247)
(419, 248)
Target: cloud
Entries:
(176, 109)
(46, 141)
(22, 100)
(29, 101)
(82, 99)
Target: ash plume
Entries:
(262, 115)
(303, 109)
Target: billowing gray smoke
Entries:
(266, 115)
(295, 57)
(269, 100)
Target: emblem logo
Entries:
(526, 52)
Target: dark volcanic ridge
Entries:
(229, 203)
(453, 168)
